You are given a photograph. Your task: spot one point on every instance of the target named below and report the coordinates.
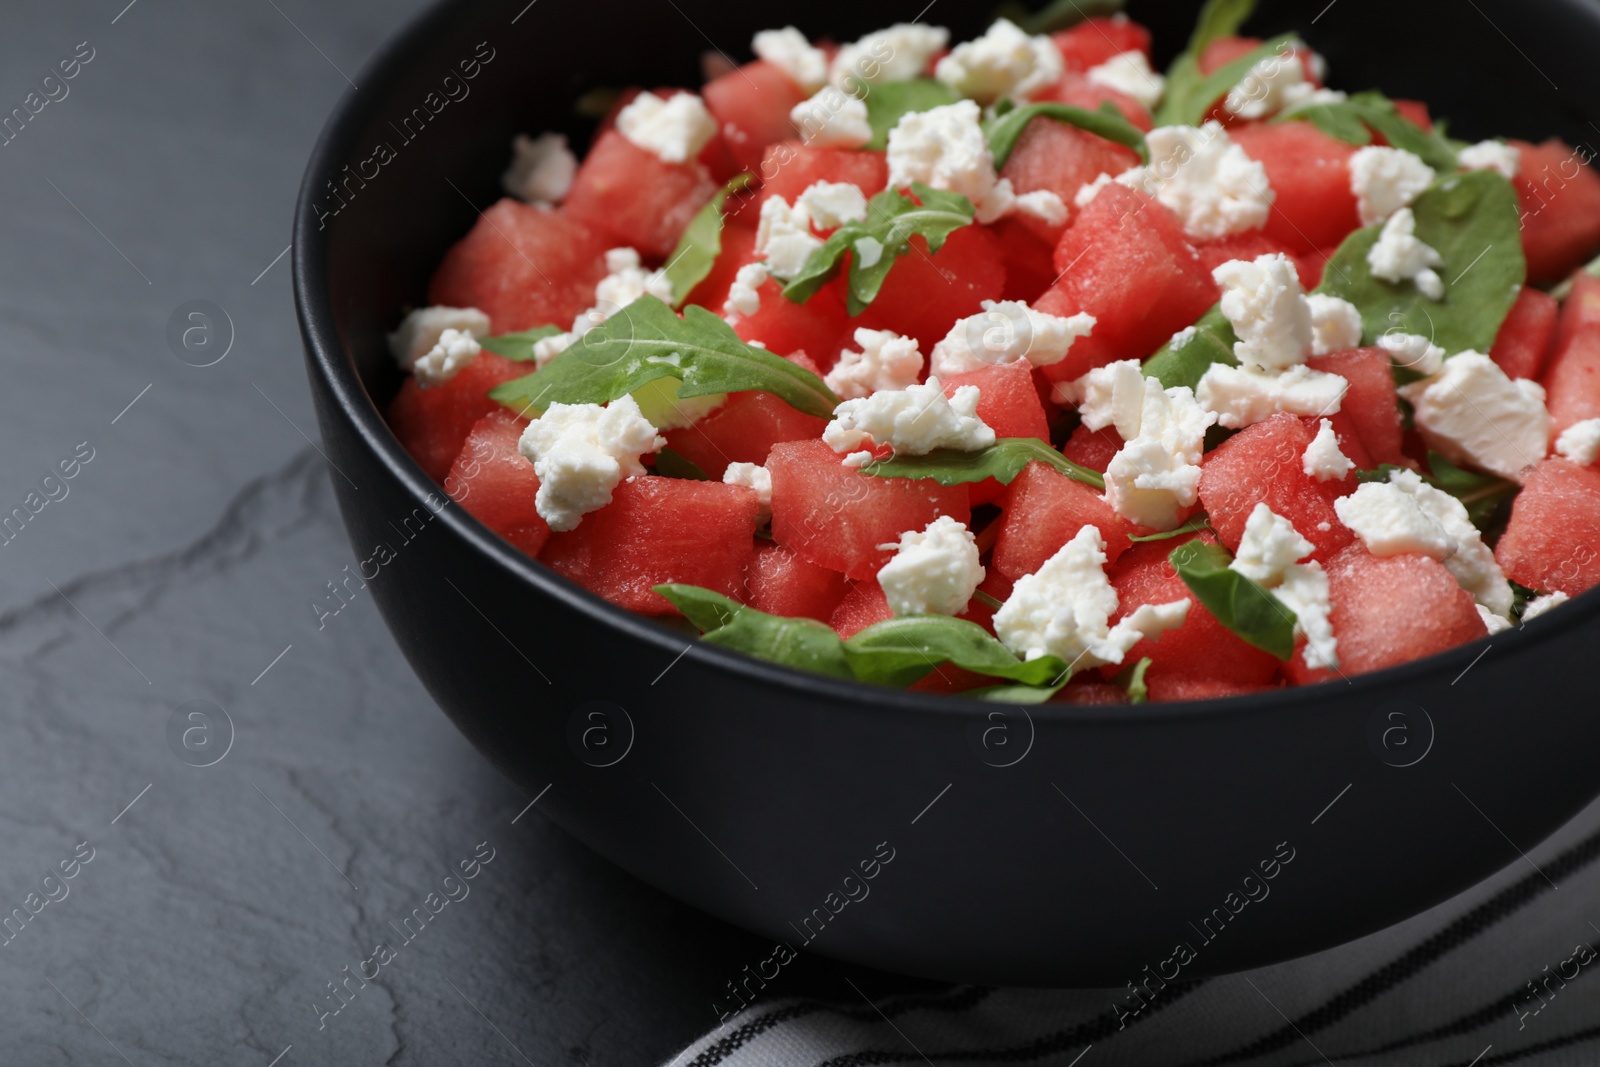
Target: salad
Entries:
(1017, 368)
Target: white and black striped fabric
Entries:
(1506, 973)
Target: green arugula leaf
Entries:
(1016, 694)
(801, 643)
(1190, 94)
(1352, 120)
(1132, 680)
(889, 102)
(1241, 605)
(518, 346)
(1521, 597)
(1379, 473)
(1473, 220)
(1481, 494)
(1058, 15)
(893, 218)
(1185, 362)
(1002, 461)
(1194, 525)
(646, 341)
(671, 464)
(901, 650)
(1004, 130)
(701, 242)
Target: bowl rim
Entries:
(336, 370)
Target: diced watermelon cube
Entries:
(924, 294)
(751, 106)
(947, 678)
(637, 197)
(1093, 448)
(1350, 443)
(1572, 383)
(1061, 158)
(1309, 172)
(780, 582)
(738, 249)
(1264, 463)
(1044, 509)
(1088, 689)
(658, 530)
(433, 423)
(1095, 40)
(789, 168)
(1312, 265)
(1125, 261)
(742, 431)
(1029, 267)
(1224, 50)
(1416, 111)
(1167, 688)
(496, 484)
(1009, 403)
(1560, 197)
(819, 327)
(1370, 402)
(1523, 344)
(1076, 89)
(523, 266)
(1549, 544)
(837, 517)
(861, 607)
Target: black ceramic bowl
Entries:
(927, 835)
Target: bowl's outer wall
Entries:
(1117, 831)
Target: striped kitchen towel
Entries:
(1498, 975)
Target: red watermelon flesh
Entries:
(1560, 197)
(1096, 40)
(1126, 261)
(751, 106)
(1369, 403)
(496, 483)
(1309, 172)
(1572, 383)
(1029, 269)
(1061, 159)
(636, 197)
(1076, 89)
(1167, 688)
(742, 431)
(523, 266)
(1045, 509)
(1416, 111)
(1550, 542)
(789, 168)
(738, 249)
(780, 582)
(1087, 689)
(1086, 353)
(924, 295)
(837, 517)
(1523, 344)
(1009, 404)
(820, 327)
(861, 607)
(1264, 463)
(433, 423)
(1093, 448)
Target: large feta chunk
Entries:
(674, 129)
(1004, 62)
(784, 238)
(1209, 182)
(542, 168)
(914, 420)
(1273, 83)
(1157, 471)
(1323, 459)
(886, 361)
(830, 205)
(945, 148)
(1497, 156)
(420, 331)
(1412, 351)
(1400, 256)
(752, 476)
(932, 572)
(1541, 604)
(832, 119)
(1580, 443)
(1130, 73)
(581, 453)
(1268, 555)
(445, 359)
(1269, 546)
(1242, 397)
(626, 280)
(1474, 414)
(1064, 609)
(1263, 301)
(1384, 180)
(1004, 332)
(1112, 395)
(788, 49)
(744, 295)
(1495, 624)
(1335, 324)
(896, 54)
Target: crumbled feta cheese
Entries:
(420, 331)
(1495, 624)
(1041, 204)
(1130, 73)
(1474, 414)
(1412, 351)
(1275, 82)
(455, 349)
(784, 238)
(934, 572)
(830, 205)
(547, 348)
(1157, 471)
(831, 119)
(744, 295)
(1242, 397)
(945, 147)
(886, 361)
(896, 54)
(581, 452)
(1004, 62)
(1112, 395)
(674, 129)
(1580, 442)
(1209, 182)
(1323, 460)
(1335, 324)
(1089, 190)
(541, 169)
(1398, 256)
(1182, 338)
(1406, 514)
(1384, 180)
(789, 51)
(752, 476)
(627, 281)
(1064, 609)
(1268, 555)
(1004, 332)
(1491, 155)
(1263, 301)
(1541, 604)
(914, 420)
